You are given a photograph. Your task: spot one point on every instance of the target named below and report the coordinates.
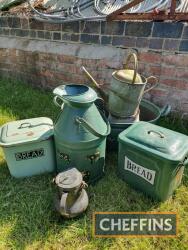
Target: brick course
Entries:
(162, 49)
(150, 35)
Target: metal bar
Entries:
(173, 7)
(126, 7)
(151, 16)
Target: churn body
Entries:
(80, 132)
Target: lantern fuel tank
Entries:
(80, 131)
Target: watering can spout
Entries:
(96, 85)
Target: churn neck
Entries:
(76, 93)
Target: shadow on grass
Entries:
(22, 101)
(26, 205)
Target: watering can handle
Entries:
(132, 55)
(154, 85)
(88, 126)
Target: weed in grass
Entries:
(27, 217)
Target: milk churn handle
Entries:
(154, 85)
(88, 126)
(132, 55)
(56, 101)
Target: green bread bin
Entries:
(28, 146)
(152, 159)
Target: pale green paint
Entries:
(24, 136)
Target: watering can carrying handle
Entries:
(88, 126)
(134, 56)
(154, 85)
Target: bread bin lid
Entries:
(127, 75)
(69, 179)
(158, 140)
(26, 131)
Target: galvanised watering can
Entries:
(125, 91)
(80, 131)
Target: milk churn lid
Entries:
(160, 141)
(69, 179)
(26, 131)
(127, 75)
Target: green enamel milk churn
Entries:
(80, 131)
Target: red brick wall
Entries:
(50, 67)
(49, 70)
(172, 72)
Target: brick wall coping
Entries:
(79, 50)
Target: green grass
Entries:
(27, 217)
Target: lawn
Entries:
(27, 217)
